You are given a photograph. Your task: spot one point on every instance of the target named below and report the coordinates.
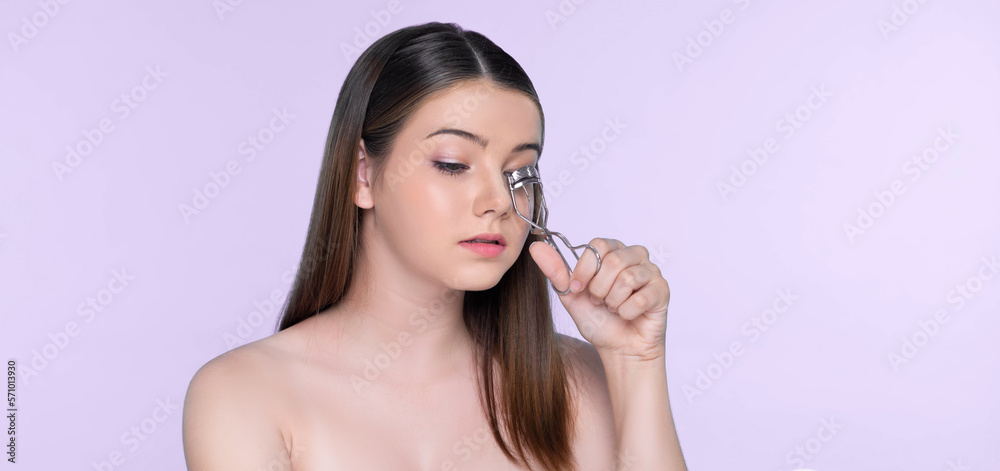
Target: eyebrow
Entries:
(482, 141)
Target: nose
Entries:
(493, 194)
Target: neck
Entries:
(410, 327)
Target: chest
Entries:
(429, 428)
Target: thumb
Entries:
(551, 264)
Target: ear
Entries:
(363, 196)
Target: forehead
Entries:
(500, 115)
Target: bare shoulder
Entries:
(230, 419)
(249, 358)
(594, 440)
(247, 370)
(248, 376)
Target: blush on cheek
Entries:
(436, 208)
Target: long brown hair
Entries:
(523, 380)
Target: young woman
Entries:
(403, 346)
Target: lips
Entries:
(488, 239)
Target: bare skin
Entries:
(302, 398)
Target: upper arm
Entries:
(227, 424)
(594, 444)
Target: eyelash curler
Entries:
(526, 179)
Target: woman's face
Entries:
(444, 184)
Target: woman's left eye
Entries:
(449, 168)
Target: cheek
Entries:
(441, 201)
(426, 208)
(523, 229)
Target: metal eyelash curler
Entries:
(526, 178)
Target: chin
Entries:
(481, 283)
(478, 280)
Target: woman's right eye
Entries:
(449, 168)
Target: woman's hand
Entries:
(621, 309)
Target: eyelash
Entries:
(443, 167)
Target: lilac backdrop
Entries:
(818, 183)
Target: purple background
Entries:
(691, 113)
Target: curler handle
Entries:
(572, 248)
